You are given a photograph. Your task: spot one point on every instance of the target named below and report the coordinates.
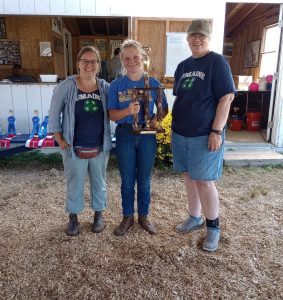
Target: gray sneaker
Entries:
(212, 238)
(190, 224)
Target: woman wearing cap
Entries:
(204, 90)
(135, 152)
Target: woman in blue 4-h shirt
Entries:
(204, 90)
(83, 134)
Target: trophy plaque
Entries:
(143, 95)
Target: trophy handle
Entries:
(136, 117)
(159, 110)
(146, 109)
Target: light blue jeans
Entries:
(75, 170)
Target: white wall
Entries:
(147, 8)
(23, 99)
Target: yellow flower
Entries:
(163, 141)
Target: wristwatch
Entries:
(219, 132)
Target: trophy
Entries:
(143, 95)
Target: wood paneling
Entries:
(29, 31)
(152, 33)
(251, 32)
(178, 26)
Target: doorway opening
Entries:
(245, 48)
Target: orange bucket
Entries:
(253, 121)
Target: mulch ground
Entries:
(39, 261)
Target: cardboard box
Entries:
(242, 82)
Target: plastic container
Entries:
(48, 78)
(235, 124)
(253, 87)
(262, 84)
(269, 78)
(253, 121)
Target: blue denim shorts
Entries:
(191, 154)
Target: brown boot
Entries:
(126, 223)
(146, 225)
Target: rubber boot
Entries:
(73, 226)
(98, 222)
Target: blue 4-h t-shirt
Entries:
(119, 96)
(89, 120)
(199, 85)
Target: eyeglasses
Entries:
(85, 62)
(194, 36)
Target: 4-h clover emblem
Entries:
(90, 106)
(188, 83)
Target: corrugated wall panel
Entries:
(57, 7)
(42, 7)
(88, 8)
(26, 6)
(73, 7)
(11, 7)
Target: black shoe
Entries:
(126, 223)
(98, 222)
(73, 226)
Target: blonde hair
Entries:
(130, 44)
(89, 49)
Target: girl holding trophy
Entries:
(135, 149)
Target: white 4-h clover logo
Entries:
(90, 106)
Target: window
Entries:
(269, 53)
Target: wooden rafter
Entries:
(107, 26)
(238, 18)
(233, 9)
(258, 12)
(90, 22)
(72, 25)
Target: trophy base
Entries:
(148, 131)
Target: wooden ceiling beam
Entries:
(107, 26)
(257, 13)
(90, 22)
(239, 17)
(232, 9)
(123, 26)
(273, 11)
(72, 26)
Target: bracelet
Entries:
(219, 132)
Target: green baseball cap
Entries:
(200, 26)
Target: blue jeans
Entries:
(135, 154)
(75, 170)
